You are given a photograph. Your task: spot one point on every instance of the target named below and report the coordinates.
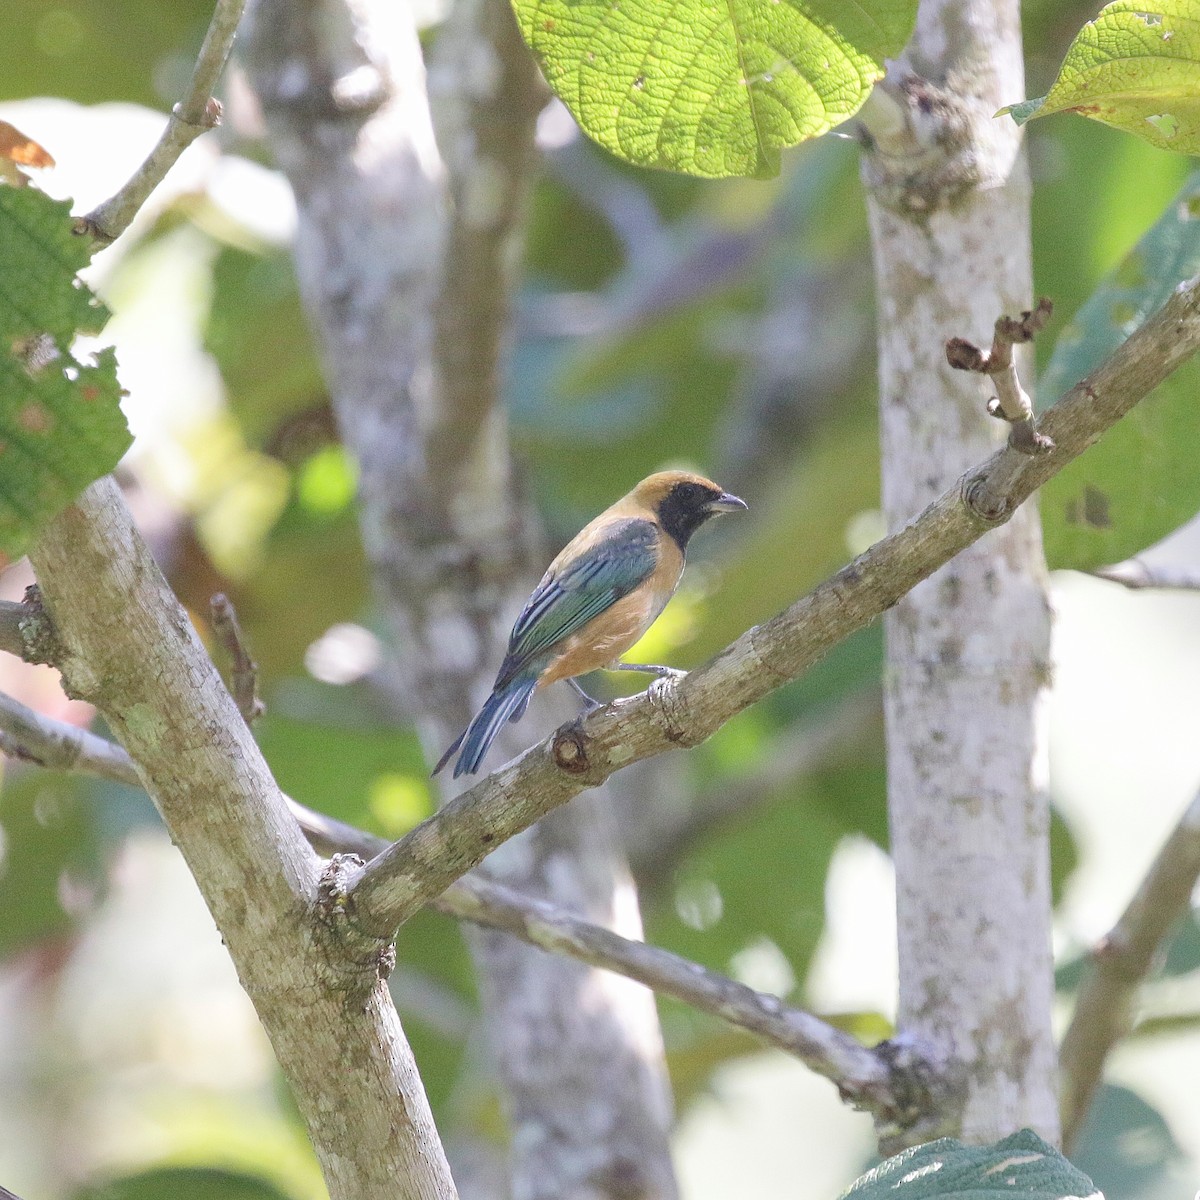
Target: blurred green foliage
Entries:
(183, 1183)
(662, 320)
(118, 50)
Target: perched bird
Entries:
(596, 599)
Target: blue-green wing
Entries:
(564, 602)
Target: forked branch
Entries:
(197, 112)
(683, 712)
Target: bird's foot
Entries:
(590, 702)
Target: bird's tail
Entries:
(506, 704)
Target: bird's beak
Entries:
(726, 502)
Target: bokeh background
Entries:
(661, 321)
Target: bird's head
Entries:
(683, 501)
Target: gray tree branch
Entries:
(11, 637)
(1121, 963)
(866, 1078)
(1012, 403)
(243, 676)
(123, 643)
(197, 112)
(683, 712)
(872, 1080)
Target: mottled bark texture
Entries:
(968, 649)
(407, 255)
(124, 644)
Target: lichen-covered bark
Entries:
(968, 649)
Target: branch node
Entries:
(37, 630)
(916, 1088)
(965, 356)
(1012, 403)
(985, 503)
(210, 117)
(1025, 439)
(356, 958)
(570, 749)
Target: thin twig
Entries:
(31, 737)
(1012, 402)
(1120, 964)
(196, 113)
(244, 675)
(683, 712)
(866, 1078)
(1135, 575)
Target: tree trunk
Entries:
(967, 650)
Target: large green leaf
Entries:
(60, 420)
(712, 87)
(1140, 481)
(1135, 67)
(1020, 1165)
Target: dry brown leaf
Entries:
(18, 148)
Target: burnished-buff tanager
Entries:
(599, 596)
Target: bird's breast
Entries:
(605, 638)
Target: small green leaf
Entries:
(60, 419)
(1139, 482)
(1020, 1165)
(1135, 67)
(712, 87)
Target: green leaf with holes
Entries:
(712, 87)
(60, 420)
(1139, 482)
(1135, 67)
(1020, 1165)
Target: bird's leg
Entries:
(590, 702)
(649, 669)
